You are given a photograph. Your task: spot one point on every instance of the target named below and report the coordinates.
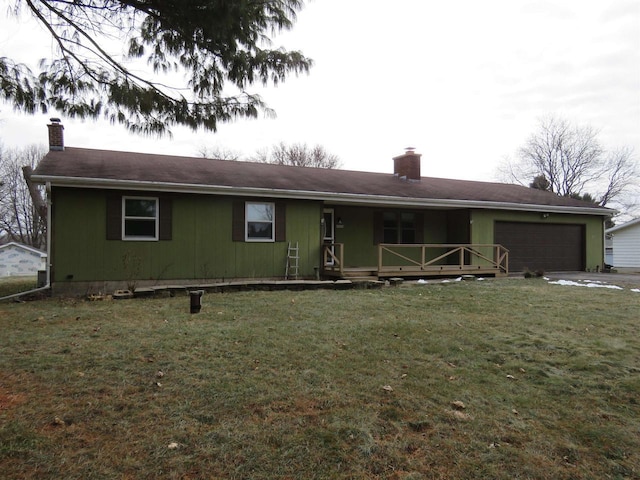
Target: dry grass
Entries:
(498, 379)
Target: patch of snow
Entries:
(422, 280)
(459, 279)
(590, 284)
(637, 290)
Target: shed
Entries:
(17, 259)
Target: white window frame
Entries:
(140, 238)
(247, 221)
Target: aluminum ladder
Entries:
(293, 258)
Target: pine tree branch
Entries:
(214, 42)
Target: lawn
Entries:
(499, 379)
(13, 285)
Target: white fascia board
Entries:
(335, 198)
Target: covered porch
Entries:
(419, 260)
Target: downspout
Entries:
(604, 243)
(22, 294)
(323, 233)
(49, 203)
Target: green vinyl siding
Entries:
(201, 246)
(77, 239)
(460, 226)
(357, 233)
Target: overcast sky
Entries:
(464, 82)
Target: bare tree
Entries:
(621, 173)
(570, 161)
(299, 155)
(20, 219)
(217, 152)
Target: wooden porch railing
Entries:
(333, 258)
(422, 259)
(490, 258)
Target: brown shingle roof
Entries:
(80, 166)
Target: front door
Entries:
(328, 232)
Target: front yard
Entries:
(498, 379)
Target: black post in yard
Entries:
(196, 300)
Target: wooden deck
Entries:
(424, 260)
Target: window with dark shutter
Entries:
(258, 221)
(131, 217)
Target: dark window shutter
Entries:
(166, 218)
(378, 228)
(281, 221)
(419, 227)
(237, 221)
(114, 217)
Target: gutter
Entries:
(337, 198)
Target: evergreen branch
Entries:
(212, 41)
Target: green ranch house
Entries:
(117, 217)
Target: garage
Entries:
(542, 246)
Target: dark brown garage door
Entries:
(544, 246)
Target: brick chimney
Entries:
(407, 166)
(56, 136)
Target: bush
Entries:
(537, 274)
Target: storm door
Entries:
(328, 232)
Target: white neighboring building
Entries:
(20, 260)
(625, 244)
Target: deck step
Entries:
(363, 278)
